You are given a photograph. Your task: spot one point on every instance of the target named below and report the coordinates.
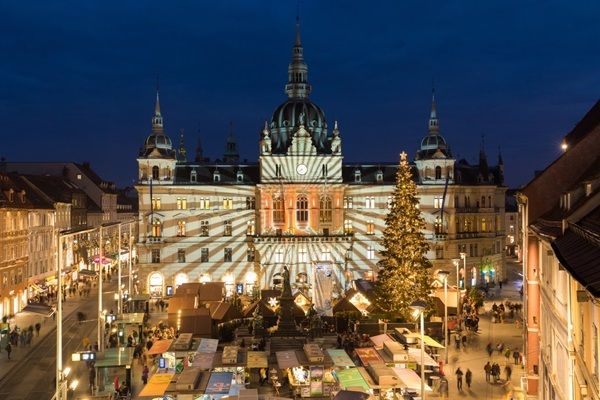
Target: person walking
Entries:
(508, 372)
(488, 371)
(459, 377)
(489, 349)
(516, 357)
(496, 372)
(145, 372)
(468, 378)
(8, 349)
(92, 377)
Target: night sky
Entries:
(78, 77)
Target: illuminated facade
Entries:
(301, 204)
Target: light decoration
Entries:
(204, 278)
(273, 303)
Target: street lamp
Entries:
(443, 275)
(418, 307)
(463, 256)
(456, 264)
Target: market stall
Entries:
(409, 380)
(340, 358)
(208, 346)
(113, 363)
(157, 385)
(219, 384)
(129, 324)
(368, 355)
(379, 340)
(384, 380)
(351, 379)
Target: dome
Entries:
(433, 142)
(293, 113)
(159, 141)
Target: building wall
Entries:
(13, 260)
(42, 244)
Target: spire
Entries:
(434, 127)
(231, 154)
(199, 155)
(157, 121)
(500, 160)
(298, 86)
(182, 153)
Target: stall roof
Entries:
(160, 346)
(340, 358)
(379, 340)
(182, 343)
(409, 379)
(130, 318)
(287, 359)
(203, 360)
(219, 383)
(415, 354)
(157, 385)
(429, 341)
(115, 357)
(350, 377)
(208, 346)
(368, 355)
(257, 359)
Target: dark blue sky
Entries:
(78, 77)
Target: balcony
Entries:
(154, 239)
(467, 210)
(343, 238)
(440, 236)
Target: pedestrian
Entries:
(92, 377)
(8, 349)
(444, 386)
(508, 372)
(459, 376)
(507, 354)
(468, 378)
(489, 349)
(516, 357)
(145, 372)
(263, 376)
(464, 339)
(488, 371)
(38, 326)
(500, 284)
(496, 372)
(457, 340)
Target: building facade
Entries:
(303, 206)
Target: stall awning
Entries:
(40, 309)
(415, 355)
(36, 288)
(208, 346)
(351, 378)
(429, 341)
(160, 346)
(287, 359)
(368, 355)
(203, 360)
(257, 359)
(409, 379)
(219, 383)
(340, 358)
(157, 385)
(87, 272)
(115, 357)
(379, 340)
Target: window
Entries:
(370, 202)
(278, 170)
(181, 255)
(462, 248)
(302, 208)
(439, 252)
(302, 256)
(325, 211)
(370, 227)
(156, 228)
(473, 251)
(279, 256)
(324, 170)
(155, 256)
(250, 228)
(204, 254)
(250, 203)
(216, 176)
(278, 209)
(156, 203)
(347, 226)
(240, 176)
(180, 228)
(227, 254)
(347, 201)
(482, 201)
(326, 255)
(155, 172)
(181, 203)
(438, 225)
(370, 253)
(357, 176)
(203, 228)
(193, 176)
(204, 203)
(227, 203)
(438, 172)
(379, 176)
(437, 202)
(483, 225)
(227, 228)
(250, 255)
(490, 202)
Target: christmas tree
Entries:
(404, 274)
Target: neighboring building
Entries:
(302, 206)
(512, 224)
(561, 215)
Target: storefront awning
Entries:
(368, 355)
(208, 346)
(37, 288)
(409, 379)
(351, 378)
(160, 346)
(40, 309)
(257, 359)
(429, 341)
(157, 385)
(340, 358)
(219, 383)
(287, 359)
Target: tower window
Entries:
(302, 208)
(156, 203)
(324, 170)
(181, 203)
(347, 226)
(278, 209)
(216, 176)
(156, 228)
(438, 172)
(250, 255)
(370, 253)
(357, 176)
(227, 203)
(250, 228)
(155, 256)
(204, 203)
(325, 210)
(204, 254)
(193, 176)
(227, 254)
(240, 176)
(370, 202)
(155, 172)
(203, 228)
(370, 227)
(181, 255)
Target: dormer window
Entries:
(155, 172)
(357, 176)
(438, 172)
(240, 176)
(379, 176)
(588, 189)
(216, 176)
(193, 176)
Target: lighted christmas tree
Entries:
(405, 271)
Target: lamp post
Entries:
(418, 307)
(443, 275)
(119, 287)
(100, 315)
(456, 264)
(463, 256)
(130, 281)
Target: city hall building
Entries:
(304, 206)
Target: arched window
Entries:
(156, 228)
(482, 201)
(155, 284)
(193, 176)
(325, 211)
(438, 225)
(155, 172)
(302, 208)
(278, 209)
(180, 279)
(438, 172)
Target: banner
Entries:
(323, 289)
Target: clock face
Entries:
(301, 169)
